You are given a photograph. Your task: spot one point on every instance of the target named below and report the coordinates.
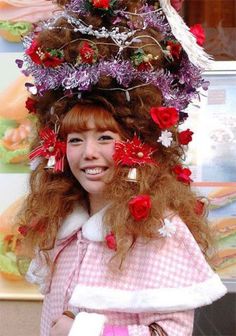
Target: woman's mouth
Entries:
(94, 171)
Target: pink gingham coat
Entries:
(163, 280)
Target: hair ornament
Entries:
(165, 138)
(133, 153)
(182, 174)
(168, 229)
(185, 137)
(182, 33)
(140, 207)
(51, 148)
(164, 117)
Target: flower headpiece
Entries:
(173, 66)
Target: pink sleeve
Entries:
(110, 330)
(174, 324)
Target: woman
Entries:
(115, 230)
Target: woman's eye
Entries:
(74, 140)
(106, 137)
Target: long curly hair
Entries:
(63, 192)
(52, 196)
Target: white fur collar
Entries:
(92, 227)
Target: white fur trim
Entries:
(86, 324)
(73, 222)
(93, 229)
(149, 300)
(180, 30)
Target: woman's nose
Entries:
(90, 150)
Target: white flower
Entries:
(165, 138)
(168, 229)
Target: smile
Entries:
(94, 171)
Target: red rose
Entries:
(164, 117)
(175, 48)
(31, 104)
(34, 52)
(140, 206)
(111, 241)
(185, 137)
(199, 33)
(199, 207)
(177, 4)
(183, 174)
(103, 4)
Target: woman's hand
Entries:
(62, 326)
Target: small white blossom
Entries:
(165, 138)
(168, 229)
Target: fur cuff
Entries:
(88, 324)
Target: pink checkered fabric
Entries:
(169, 262)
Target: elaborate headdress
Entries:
(116, 48)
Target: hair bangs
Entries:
(77, 119)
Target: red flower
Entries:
(111, 241)
(183, 174)
(185, 137)
(145, 66)
(199, 33)
(50, 147)
(199, 207)
(132, 152)
(101, 4)
(51, 61)
(175, 48)
(87, 53)
(23, 230)
(164, 117)
(34, 52)
(31, 104)
(51, 58)
(140, 206)
(177, 4)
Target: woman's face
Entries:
(89, 154)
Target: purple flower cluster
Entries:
(178, 89)
(155, 19)
(78, 6)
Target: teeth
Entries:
(94, 171)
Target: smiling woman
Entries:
(117, 234)
(91, 133)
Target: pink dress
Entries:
(162, 281)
